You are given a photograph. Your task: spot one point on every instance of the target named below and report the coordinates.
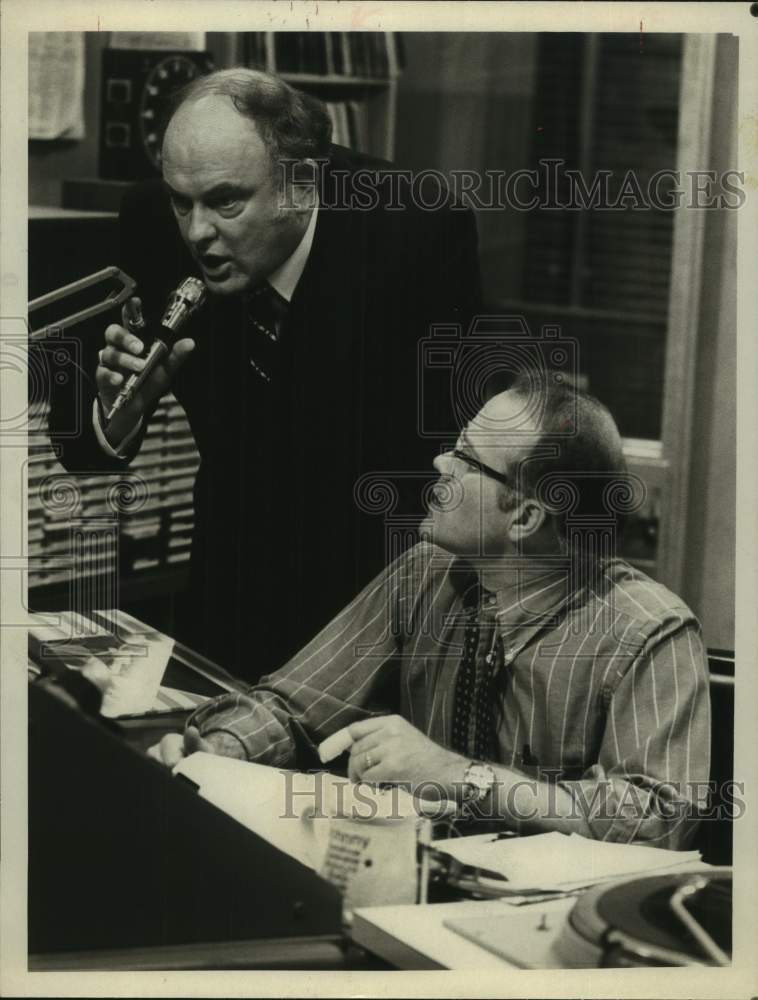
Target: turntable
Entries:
(662, 920)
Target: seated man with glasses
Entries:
(509, 661)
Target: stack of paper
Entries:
(292, 809)
(556, 862)
(130, 684)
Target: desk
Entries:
(318, 953)
(128, 865)
(130, 869)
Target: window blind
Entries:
(607, 103)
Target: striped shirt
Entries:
(601, 684)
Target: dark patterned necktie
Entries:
(266, 312)
(473, 711)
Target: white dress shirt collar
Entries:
(285, 278)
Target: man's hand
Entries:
(174, 746)
(388, 749)
(119, 359)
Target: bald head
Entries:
(292, 125)
(209, 128)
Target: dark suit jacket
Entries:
(280, 542)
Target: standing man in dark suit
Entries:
(301, 372)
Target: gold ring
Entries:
(369, 761)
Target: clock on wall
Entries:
(135, 88)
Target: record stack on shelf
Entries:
(154, 538)
(349, 124)
(253, 49)
(363, 55)
(347, 70)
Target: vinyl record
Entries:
(635, 923)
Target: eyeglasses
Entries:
(474, 463)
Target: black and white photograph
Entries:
(378, 521)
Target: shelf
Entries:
(93, 195)
(152, 533)
(53, 212)
(336, 80)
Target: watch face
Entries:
(166, 77)
(480, 778)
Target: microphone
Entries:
(184, 301)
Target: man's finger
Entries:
(364, 765)
(366, 744)
(335, 745)
(374, 775)
(194, 742)
(112, 357)
(179, 354)
(366, 726)
(106, 381)
(160, 378)
(117, 336)
(131, 313)
(353, 770)
(170, 750)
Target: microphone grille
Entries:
(193, 290)
(188, 297)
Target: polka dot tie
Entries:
(473, 711)
(266, 311)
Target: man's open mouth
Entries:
(212, 263)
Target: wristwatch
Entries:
(478, 780)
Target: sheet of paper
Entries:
(56, 85)
(70, 627)
(130, 684)
(466, 849)
(273, 803)
(555, 861)
(291, 809)
(169, 699)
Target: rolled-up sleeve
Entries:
(651, 777)
(341, 676)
